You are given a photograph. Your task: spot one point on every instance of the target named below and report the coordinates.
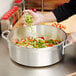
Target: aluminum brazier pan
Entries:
(36, 57)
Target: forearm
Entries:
(64, 11)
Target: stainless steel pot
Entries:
(36, 57)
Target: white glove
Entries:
(72, 37)
(37, 17)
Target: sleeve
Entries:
(64, 11)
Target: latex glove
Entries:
(37, 17)
(72, 37)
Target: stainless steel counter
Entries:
(10, 68)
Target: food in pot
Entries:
(39, 42)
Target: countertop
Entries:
(10, 68)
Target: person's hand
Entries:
(37, 17)
(40, 18)
(72, 37)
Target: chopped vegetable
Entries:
(33, 9)
(39, 42)
(59, 26)
(29, 19)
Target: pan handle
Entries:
(67, 43)
(3, 34)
